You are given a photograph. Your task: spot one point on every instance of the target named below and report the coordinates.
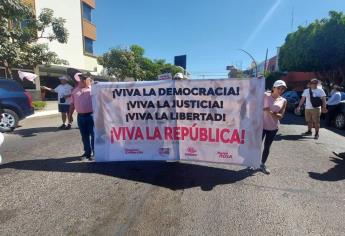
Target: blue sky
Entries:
(210, 32)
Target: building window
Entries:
(88, 45)
(87, 10)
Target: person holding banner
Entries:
(82, 104)
(274, 109)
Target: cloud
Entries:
(262, 23)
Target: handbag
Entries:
(315, 101)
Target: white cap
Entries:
(63, 78)
(314, 80)
(178, 76)
(279, 83)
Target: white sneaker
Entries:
(264, 169)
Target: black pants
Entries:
(85, 123)
(332, 111)
(268, 135)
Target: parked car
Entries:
(293, 98)
(16, 103)
(339, 119)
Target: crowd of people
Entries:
(78, 99)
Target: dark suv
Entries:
(16, 103)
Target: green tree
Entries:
(319, 47)
(131, 62)
(20, 32)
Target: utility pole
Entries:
(265, 69)
(292, 18)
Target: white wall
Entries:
(73, 51)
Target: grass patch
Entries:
(39, 105)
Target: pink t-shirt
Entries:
(81, 98)
(275, 105)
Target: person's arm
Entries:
(279, 115)
(49, 89)
(301, 102)
(324, 105)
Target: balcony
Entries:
(89, 30)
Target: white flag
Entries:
(26, 75)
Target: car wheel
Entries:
(9, 121)
(340, 121)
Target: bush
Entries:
(272, 77)
(39, 105)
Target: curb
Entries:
(43, 113)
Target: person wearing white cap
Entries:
(178, 76)
(64, 91)
(274, 110)
(315, 99)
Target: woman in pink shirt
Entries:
(274, 109)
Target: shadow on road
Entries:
(34, 131)
(171, 175)
(280, 137)
(336, 173)
(291, 119)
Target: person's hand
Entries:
(324, 110)
(298, 108)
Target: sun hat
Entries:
(178, 76)
(279, 83)
(314, 81)
(63, 78)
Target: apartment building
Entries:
(82, 31)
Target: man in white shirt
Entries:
(64, 91)
(312, 114)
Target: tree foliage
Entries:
(131, 62)
(20, 34)
(319, 47)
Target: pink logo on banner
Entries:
(224, 155)
(133, 151)
(191, 152)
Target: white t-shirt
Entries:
(64, 90)
(316, 93)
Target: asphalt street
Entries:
(46, 190)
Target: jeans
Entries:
(268, 135)
(85, 123)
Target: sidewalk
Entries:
(50, 109)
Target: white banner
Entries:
(197, 120)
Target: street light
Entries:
(256, 65)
